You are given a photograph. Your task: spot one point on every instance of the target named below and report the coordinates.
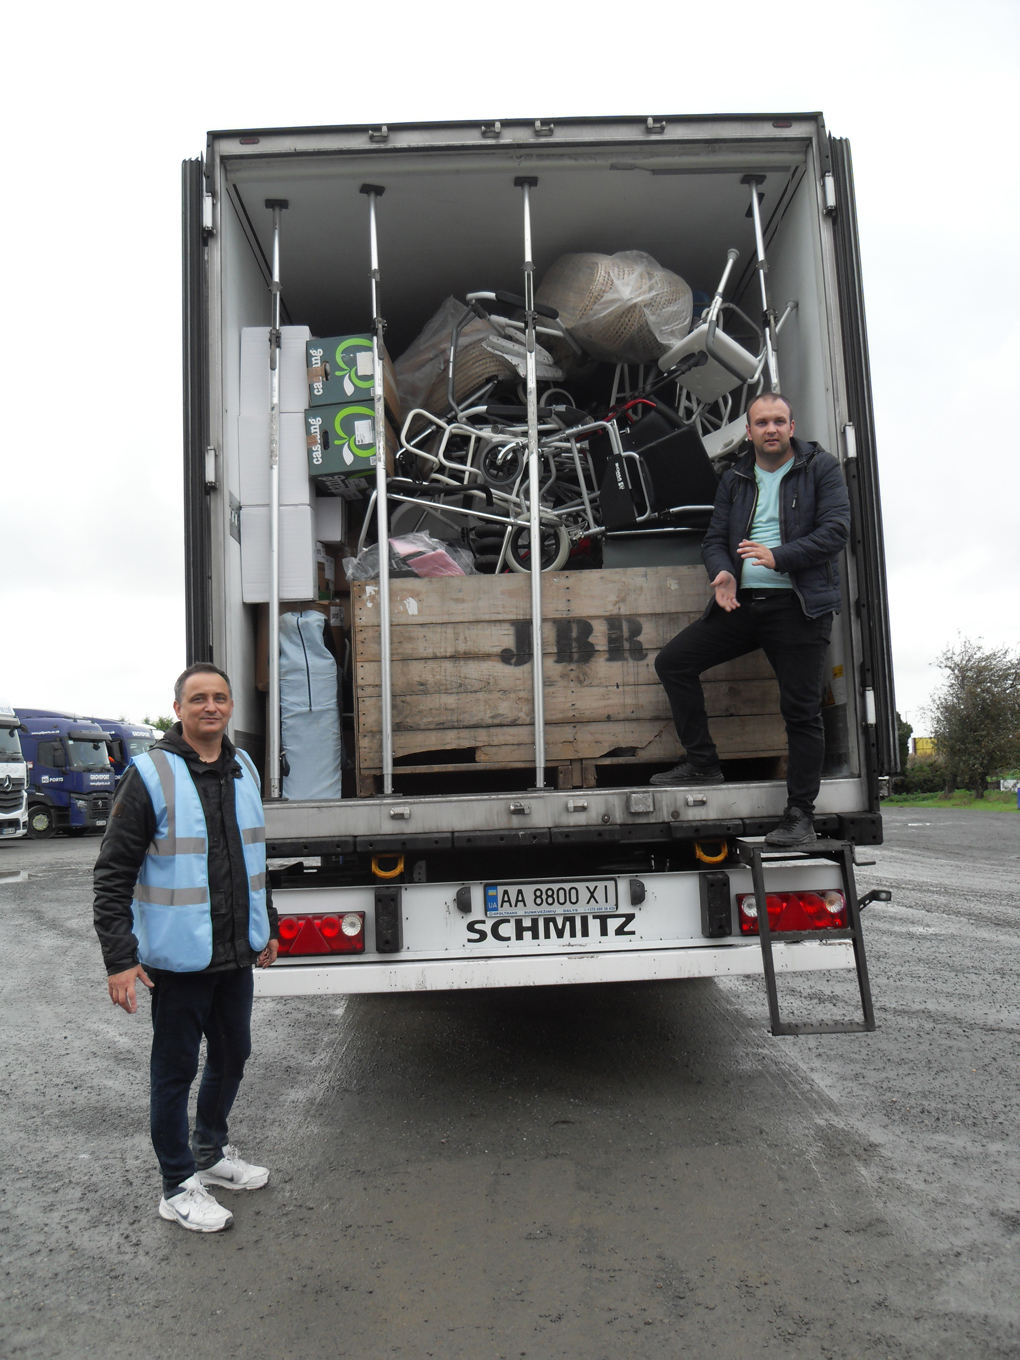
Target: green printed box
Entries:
(341, 370)
(341, 441)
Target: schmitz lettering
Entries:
(540, 929)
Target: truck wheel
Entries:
(41, 825)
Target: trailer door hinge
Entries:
(207, 214)
(869, 707)
(379, 134)
(655, 125)
(211, 482)
(829, 191)
(850, 435)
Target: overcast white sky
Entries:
(102, 102)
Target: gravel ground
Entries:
(637, 1171)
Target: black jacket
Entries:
(133, 825)
(814, 524)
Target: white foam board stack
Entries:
(298, 578)
(255, 369)
(253, 460)
(297, 517)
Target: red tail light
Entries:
(330, 934)
(822, 910)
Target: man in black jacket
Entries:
(781, 518)
(189, 1000)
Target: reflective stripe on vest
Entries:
(171, 908)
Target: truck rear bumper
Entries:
(533, 970)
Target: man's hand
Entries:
(122, 987)
(268, 956)
(757, 551)
(725, 587)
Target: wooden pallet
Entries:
(461, 668)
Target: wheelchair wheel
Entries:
(502, 475)
(555, 548)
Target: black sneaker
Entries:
(795, 830)
(686, 773)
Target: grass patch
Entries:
(996, 800)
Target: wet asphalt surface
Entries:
(590, 1172)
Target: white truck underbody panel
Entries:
(530, 970)
(639, 928)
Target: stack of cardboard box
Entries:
(327, 451)
(340, 420)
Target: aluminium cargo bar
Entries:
(373, 193)
(273, 754)
(526, 183)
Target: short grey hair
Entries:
(199, 668)
(768, 396)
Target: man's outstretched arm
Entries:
(132, 826)
(715, 547)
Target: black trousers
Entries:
(186, 1006)
(795, 646)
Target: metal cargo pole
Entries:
(527, 183)
(273, 752)
(374, 192)
(768, 315)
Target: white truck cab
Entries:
(13, 777)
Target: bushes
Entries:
(924, 776)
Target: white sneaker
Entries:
(195, 1209)
(232, 1173)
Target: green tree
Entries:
(975, 714)
(904, 731)
(160, 724)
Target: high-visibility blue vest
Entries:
(171, 908)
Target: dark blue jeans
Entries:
(184, 1007)
(796, 647)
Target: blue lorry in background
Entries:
(126, 740)
(70, 776)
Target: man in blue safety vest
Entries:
(183, 905)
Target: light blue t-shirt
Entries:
(765, 529)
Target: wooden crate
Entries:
(461, 666)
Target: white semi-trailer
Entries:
(461, 856)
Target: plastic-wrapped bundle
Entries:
(309, 708)
(482, 354)
(623, 308)
(411, 555)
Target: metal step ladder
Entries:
(752, 854)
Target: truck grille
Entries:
(99, 806)
(11, 798)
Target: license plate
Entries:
(559, 899)
(102, 823)
(8, 830)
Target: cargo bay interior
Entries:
(451, 223)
